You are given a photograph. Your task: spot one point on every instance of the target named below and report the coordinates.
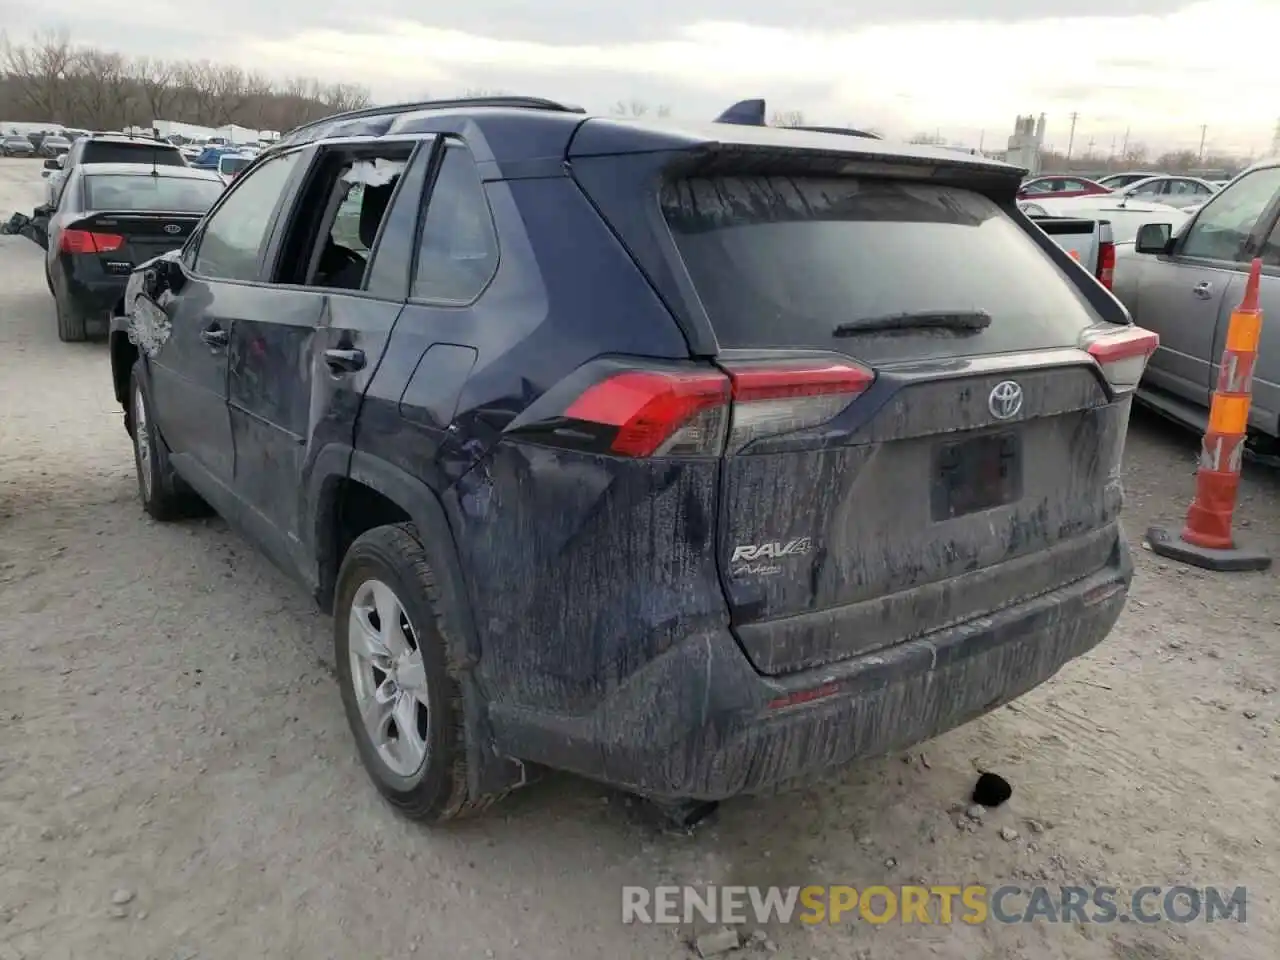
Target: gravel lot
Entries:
(170, 732)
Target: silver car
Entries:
(1183, 283)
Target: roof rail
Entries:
(395, 109)
(751, 113)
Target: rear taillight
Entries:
(1106, 263)
(1123, 355)
(706, 413)
(658, 414)
(772, 400)
(86, 241)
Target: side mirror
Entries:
(61, 161)
(53, 164)
(1153, 238)
(44, 210)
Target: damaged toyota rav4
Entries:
(695, 460)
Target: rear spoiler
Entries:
(752, 113)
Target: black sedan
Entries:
(15, 146)
(111, 216)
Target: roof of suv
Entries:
(125, 138)
(526, 128)
(145, 169)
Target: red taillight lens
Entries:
(659, 414)
(1106, 263)
(706, 413)
(85, 241)
(776, 399)
(1123, 355)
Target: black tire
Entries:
(167, 496)
(71, 323)
(48, 280)
(438, 790)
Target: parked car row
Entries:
(1168, 189)
(1182, 278)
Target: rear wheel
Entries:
(71, 322)
(401, 696)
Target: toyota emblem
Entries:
(172, 228)
(1005, 400)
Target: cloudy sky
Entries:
(964, 68)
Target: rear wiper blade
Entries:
(963, 320)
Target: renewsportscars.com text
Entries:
(936, 904)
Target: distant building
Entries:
(1026, 143)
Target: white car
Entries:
(230, 165)
(1173, 191)
(1125, 213)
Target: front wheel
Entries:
(402, 699)
(164, 495)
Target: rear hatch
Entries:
(919, 434)
(121, 240)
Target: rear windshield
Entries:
(782, 261)
(145, 192)
(107, 151)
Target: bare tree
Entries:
(259, 99)
(340, 97)
(229, 93)
(38, 71)
(788, 118)
(199, 83)
(154, 85)
(100, 90)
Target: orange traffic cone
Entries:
(1206, 539)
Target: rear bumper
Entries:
(696, 723)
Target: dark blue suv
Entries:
(692, 459)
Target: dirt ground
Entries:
(170, 732)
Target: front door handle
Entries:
(1203, 290)
(344, 361)
(214, 336)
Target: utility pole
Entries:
(982, 139)
(1125, 149)
(1071, 137)
(1275, 140)
(1204, 129)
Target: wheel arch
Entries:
(336, 467)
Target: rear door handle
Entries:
(344, 361)
(214, 336)
(1203, 290)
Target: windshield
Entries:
(145, 192)
(784, 262)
